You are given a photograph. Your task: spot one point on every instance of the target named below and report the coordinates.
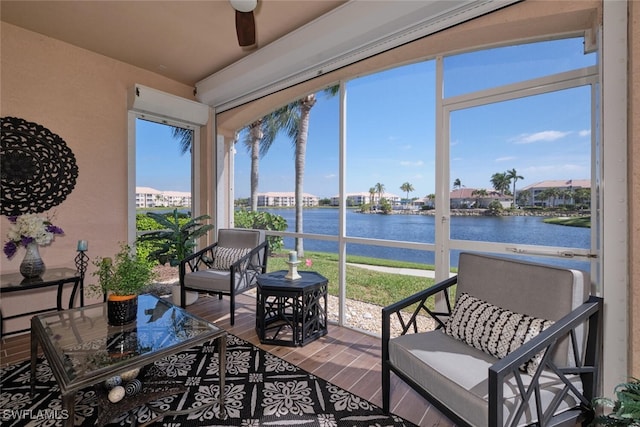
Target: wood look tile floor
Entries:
(348, 358)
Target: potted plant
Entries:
(625, 409)
(178, 239)
(121, 280)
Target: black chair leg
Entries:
(386, 384)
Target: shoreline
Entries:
(488, 212)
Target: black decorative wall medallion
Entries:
(37, 169)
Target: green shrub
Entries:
(174, 238)
(625, 409)
(262, 220)
(126, 274)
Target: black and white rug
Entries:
(261, 390)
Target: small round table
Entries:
(291, 312)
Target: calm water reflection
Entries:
(421, 228)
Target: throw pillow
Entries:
(224, 257)
(494, 330)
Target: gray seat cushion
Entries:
(457, 375)
(219, 280)
(209, 280)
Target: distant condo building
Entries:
(358, 199)
(536, 190)
(147, 197)
(286, 199)
(462, 198)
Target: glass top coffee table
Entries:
(84, 350)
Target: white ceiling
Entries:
(183, 40)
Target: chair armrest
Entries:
(419, 298)
(254, 252)
(195, 260)
(585, 364)
(249, 266)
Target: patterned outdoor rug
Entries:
(261, 390)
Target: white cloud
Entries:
(330, 176)
(545, 136)
(586, 132)
(506, 158)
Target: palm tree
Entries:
(380, 190)
(258, 139)
(513, 176)
(372, 193)
(553, 193)
(184, 137)
(582, 196)
(431, 198)
(457, 184)
(523, 197)
(548, 194)
(500, 182)
(565, 194)
(294, 117)
(407, 188)
(479, 194)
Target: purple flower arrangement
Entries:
(27, 229)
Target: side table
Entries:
(291, 312)
(14, 282)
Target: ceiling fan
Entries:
(245, 23)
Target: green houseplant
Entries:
(178, 238)
(625, 409)
(121, 279)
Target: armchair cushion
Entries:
(457, 374)
(224, 257)
(209, 280)
(494, 330)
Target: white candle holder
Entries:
(293, 270)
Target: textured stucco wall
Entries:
(82, 97)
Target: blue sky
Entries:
(159, 163)
(391, 130)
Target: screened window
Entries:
(478, 166)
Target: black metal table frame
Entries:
(300, 306)
(68, 388)
(78, 285)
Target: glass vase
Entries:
(32, 265)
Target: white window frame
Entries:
(163, 108)
(571, 79)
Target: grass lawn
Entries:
(579, 221)
(369, 286)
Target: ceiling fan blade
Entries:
(245, 28)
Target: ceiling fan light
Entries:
(244, 5)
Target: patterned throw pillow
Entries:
(494, 330)
(224, 257)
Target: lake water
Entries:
(421, 228)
